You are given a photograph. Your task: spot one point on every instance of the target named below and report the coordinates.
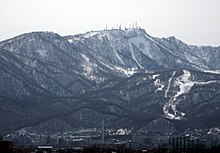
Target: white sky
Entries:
(193, 21)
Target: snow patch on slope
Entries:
(4, 58)
(169, 83)
(91, 34)
(88, 67)
(141, 43)
(185, 84)
(115, 52)
(132, 54)
(212, 71)
(157, 83)
(127, 71)
(122, 70)
(207, 82)
(42, 52)
(70, 40)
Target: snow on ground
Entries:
(185, 84)
(212, 71)
(127, 71)
(122, 132)
(132, 54)
(214, 130)
(115, 52)
(42, 52)
(122, 70)
(88, 67)
(194, 59)
(85, 58)
(169, 83)
(4, 58)
(157, 83)
(91, 34)
(70, 40)
(141, 43)
(106, 65)
(155, 76)
(207, 82)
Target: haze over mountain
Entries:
(125, 77)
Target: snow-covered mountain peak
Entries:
(124, 73)
(135, 48)
(17, 43)
(113, 33)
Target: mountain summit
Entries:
(126, 77)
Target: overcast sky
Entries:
(193, 21)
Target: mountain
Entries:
(125, 77)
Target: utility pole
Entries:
(1, 137)
(103, 131)
(184, 144)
